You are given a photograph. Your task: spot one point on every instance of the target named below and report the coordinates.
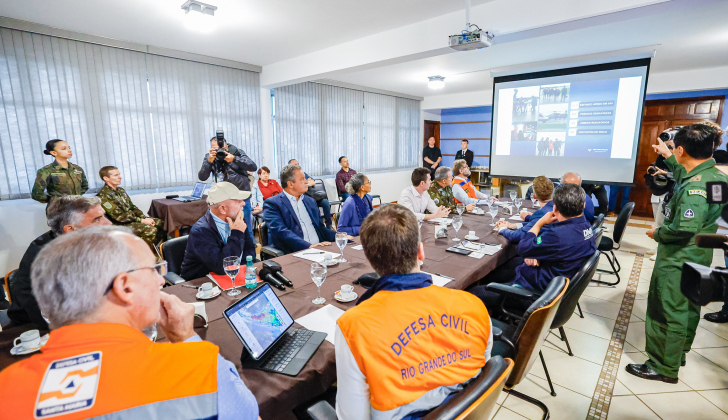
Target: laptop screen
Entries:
(198, 189)
(259, 319)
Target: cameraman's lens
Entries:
(665, 136)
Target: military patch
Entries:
(698, 192)
(69, 385)
(108, 205)
(689, 214)
(538, 240)
(667, 212)
(696, 178)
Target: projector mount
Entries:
(470, 38)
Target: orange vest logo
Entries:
(69, 385)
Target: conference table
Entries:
(176, 214)
(278, 394)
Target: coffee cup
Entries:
(28, 340)
(346, 289)
(205, 289)
(471, 234)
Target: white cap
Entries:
(225, 191)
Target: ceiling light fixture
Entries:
(198, 16)
(436, 82)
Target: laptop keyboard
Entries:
(294, 340)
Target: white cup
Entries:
(205, 289)
(346, 289)
(471, 234)
(28, 340)
(200, 311)
(328, 260)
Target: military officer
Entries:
(121, 211)
(441, 190)
(60, 177)
(672, 320)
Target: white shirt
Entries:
(417, 202)
(459, 193)
(309, 232)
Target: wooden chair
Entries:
(6, 285)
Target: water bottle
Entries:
(251, 280)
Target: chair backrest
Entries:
(534, 328)
(6, 285)
(263, 233)
(598, 221)
(319, 186)
(577, 285)
(621, 222)
(479, 397)
(173, 251)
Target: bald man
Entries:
(574, 178)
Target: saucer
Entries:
(472, 238)
(349, 298)
(333, 263)
(19, 350)
(215, 293)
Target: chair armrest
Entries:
(498, 336)
(334, 202)
(173, 278)
(322, 410)
(267, 252)
(510, 291)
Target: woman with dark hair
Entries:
(264, 189)
(60, 177)
(357, 206)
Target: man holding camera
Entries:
(672, 320)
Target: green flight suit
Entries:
(121, 211)
(442, 196)
(671, 319)
(55, 181)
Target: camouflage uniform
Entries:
(442, 196)
(121, 211)
(55, 181)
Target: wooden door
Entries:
(659, 115)
(432, 129)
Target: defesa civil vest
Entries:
(468, 188)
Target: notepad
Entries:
(315, 255)
(438, 280)
(358, 247)
(322, 320)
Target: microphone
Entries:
(277, 272)
(712, 241)
(267, 275)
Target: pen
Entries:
(444, 276)
(315, 252)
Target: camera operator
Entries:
(226, 162)
(672, 319)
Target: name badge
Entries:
(69, 385)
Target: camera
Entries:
(221, 154)
(669, 134)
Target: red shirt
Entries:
(271, 190)
(342, 178)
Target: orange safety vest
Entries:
(469, 189)
(409, 342)
(91, 370)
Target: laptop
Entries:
(196, 193)
(263, 324)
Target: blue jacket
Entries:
(560, 248)
(350, 219)
(518, 234)
(284, 230)
(589, 209)
(206, 250)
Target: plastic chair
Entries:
(613, 243)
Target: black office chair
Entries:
(613, 243)
(267, 251)
(173, 251)
(598, 221)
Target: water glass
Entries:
(151, 332)
(341, 241)
(512, 194)
(457, 222)
(232, 268)
(518, 202)
(493, 211)
(318, 275)
(460, 208)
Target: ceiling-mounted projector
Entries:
(474, 40)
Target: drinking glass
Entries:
(512, 194)
(151, 332)
(457, 222)
(460, 208)
(232, 268)
(518, 202)
(493, 211)
(341, 240)
(318, 275)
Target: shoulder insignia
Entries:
(696, 178)
(689, 214)
(108, 205)
(538, 240)
(701, 193)
(69, 385)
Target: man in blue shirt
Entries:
(574, 178)
(220, 233)
(323, 202)
(543, 190)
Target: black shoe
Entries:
(644, 372)
(717, 317)
(682, 363)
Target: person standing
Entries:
(613, 191)
(59, 178)
(342, 177)
(464, 153)
(431, 157)
(672, 319)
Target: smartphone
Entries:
(458, 250)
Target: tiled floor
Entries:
(701, 393)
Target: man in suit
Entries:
(293, 217)
(465, 153)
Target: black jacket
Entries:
(25, 309)
(468, 156)
(235, 172)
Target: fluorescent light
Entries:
(199, 16)
(436, 82)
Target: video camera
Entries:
(669, 134)
(221, 154)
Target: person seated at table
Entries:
(122, 211)
(220, 233)
(293, 217)
(322, 202)
(65, 214)
(99, 287)
(543, 190)
(462, 188)
(357, 207)
(441, 190)
(574, 178)
(418, 200)
(264, 189)
(343, 177)
(402, 321)
(557, 245)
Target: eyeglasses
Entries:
(160, 268)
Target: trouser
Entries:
(503, 274)
(672, 321)
(324, 204)
(613, 190)
(602, 200)
(152, 235)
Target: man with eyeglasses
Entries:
(97, 362)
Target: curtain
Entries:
(392, 132)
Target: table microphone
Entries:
(267, 275)
(277, 271)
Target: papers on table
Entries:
(322, 320)
(516, 217)
(479, 250)
(358, 247)
(315, 255)
(441, 220)
(439, 280)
